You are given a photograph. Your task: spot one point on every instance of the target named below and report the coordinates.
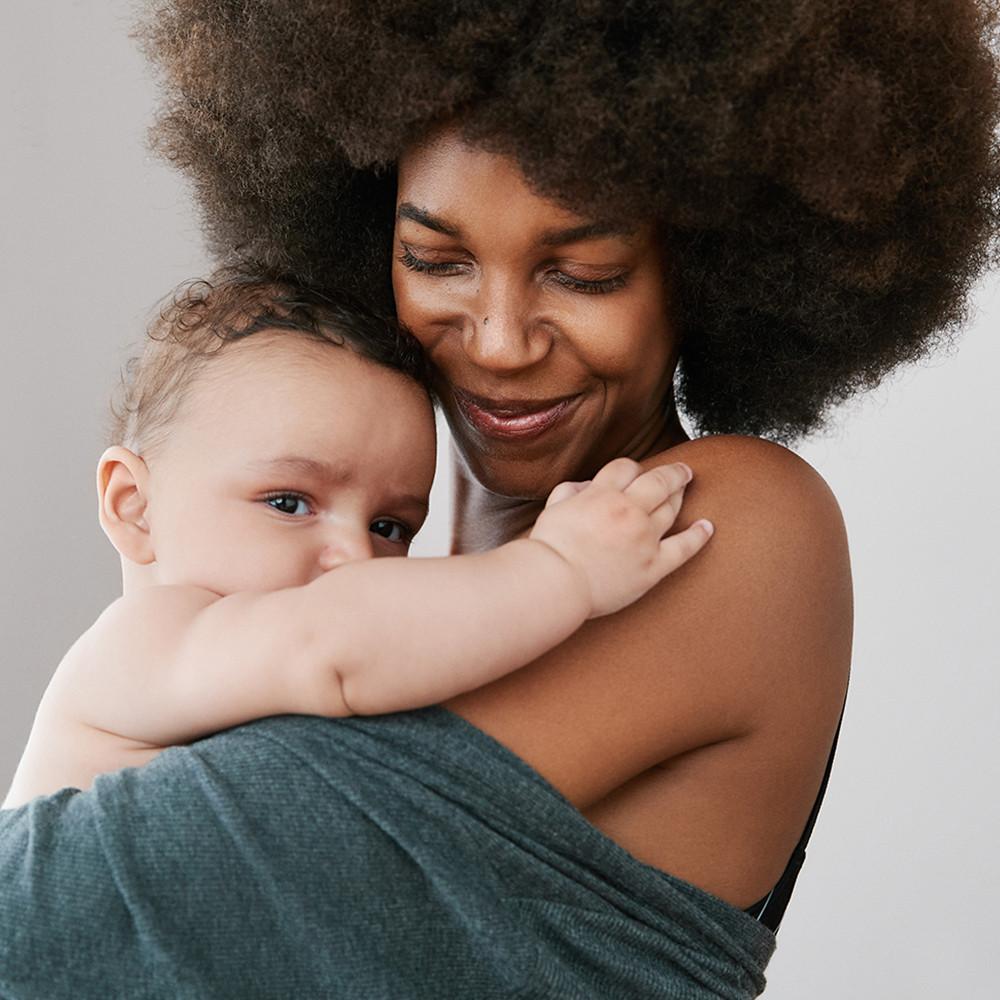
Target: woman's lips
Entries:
(511, 419)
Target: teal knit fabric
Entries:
(397, 856)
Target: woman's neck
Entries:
(482, 520)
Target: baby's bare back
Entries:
(74, 736)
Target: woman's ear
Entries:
(122, 493)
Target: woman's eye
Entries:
(600, 286)
(288, 503)
(394, 531)
(414, 263)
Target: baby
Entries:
(272, 447)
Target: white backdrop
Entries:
(897, 898)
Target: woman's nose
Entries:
(347, 546)
(502, 333)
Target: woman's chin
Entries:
(514, 478)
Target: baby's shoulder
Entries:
(162, 610)
(138, 627)
(158, 600)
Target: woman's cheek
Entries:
(418, 308)
(604, 346)
(402, 289)
(436, 314)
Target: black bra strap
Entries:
(773, 907)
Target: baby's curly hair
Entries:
(826, 172)
(195, 322)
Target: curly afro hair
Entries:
(826, 173)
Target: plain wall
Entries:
(897, 896)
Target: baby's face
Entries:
(287, 459)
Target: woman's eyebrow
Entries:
(587, 231)
(549, 238)
(410, 211)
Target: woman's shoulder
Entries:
(776, 513)
(765, 609)
(781, 563)
(734, 463)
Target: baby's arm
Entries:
(170, 664)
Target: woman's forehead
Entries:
(447, 182)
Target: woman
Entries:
(575, 208)
(779, 204)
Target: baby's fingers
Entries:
(664, 516)
(617, 474)
(678, 549)
(656, 485)
(564, 491)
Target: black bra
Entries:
(771, 908)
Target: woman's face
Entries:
(550, 330)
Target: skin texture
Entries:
(692, 727)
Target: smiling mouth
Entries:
(512, 419)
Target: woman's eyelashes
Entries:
(563, 278)
(298, 505)
(600, 286)
(413, 263)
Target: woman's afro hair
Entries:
(826, 173)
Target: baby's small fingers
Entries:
(618, 473)
(563, 491)
(678, 549)
(656, 485)
(664, 516)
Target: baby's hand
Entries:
(611, 530)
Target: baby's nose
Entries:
(347, 547)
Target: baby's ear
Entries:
(122, 483)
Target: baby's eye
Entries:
(288, 503)
(394, 531)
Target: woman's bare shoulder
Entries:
(751, 633)
(767, 497)
(739, 459)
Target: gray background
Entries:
(898, 896)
